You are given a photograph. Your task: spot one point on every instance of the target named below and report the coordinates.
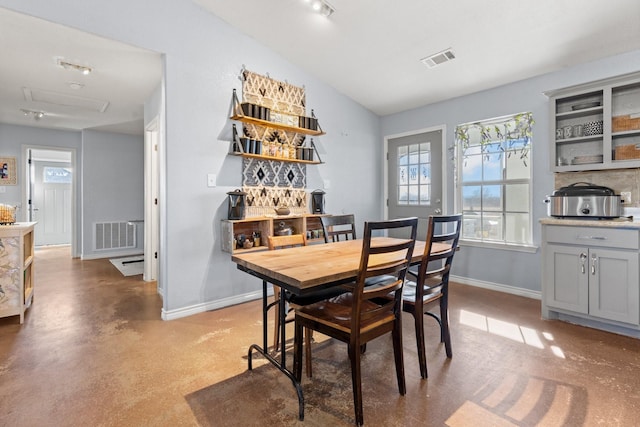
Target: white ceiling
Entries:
(123, 77)
(369, 50)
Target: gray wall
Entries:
(509, 268)
(112, 186)
(203, 59)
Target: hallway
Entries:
(94, 352)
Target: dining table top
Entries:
(304, 269)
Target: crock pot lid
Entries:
(584, 189)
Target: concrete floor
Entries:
(94, 352)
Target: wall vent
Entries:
(438, 58)
(114, 235)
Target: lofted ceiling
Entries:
(111, 98)
(369, 50)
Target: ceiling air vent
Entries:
(438, 58)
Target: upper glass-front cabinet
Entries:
(596, 125)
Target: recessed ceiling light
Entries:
(322, 7)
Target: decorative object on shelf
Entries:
(317, 202)
(282, 229)
(593, 128)
(237, 200)
(282, 210)
(8, 172)
(625, 122)
(626, 152)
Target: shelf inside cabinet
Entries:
(580, 113)
(579, 139)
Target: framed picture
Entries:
(8, 173)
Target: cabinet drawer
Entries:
(594, 236)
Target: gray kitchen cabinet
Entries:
(596, 125)
(591, 272)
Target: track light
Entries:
(36, 115)
(77, 67)
(322, 7)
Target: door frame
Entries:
(151, 206)
(443, 129)
(74, 188)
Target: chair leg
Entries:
(308, 334)
(297, 351)
(398, 355)
(422, 356)
(356, 380)
(444, 325)
(276, 307)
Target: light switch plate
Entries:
(3, 189)
(211, 180)
(327, 184)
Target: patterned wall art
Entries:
(8, 171)
(276, 95)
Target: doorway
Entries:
(414, 174)
(50, 195)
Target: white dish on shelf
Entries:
(585, 105)
(583, 160)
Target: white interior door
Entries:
(152, 213)
(415, 171)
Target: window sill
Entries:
(501, 246)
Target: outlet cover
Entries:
(211, 180)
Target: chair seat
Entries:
(430, 293)
(337, 311)
(320, 295)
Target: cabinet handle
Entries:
(591, 238)
(583, 258)
(594, 259)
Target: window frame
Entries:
(520, 130)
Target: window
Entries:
(494, 179)
(55, 175)
(414, 174)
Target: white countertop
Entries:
(609, 223)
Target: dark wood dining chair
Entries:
(296, 301)
(337, 226)
(355, 317)
(430, 283)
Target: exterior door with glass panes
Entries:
(415, 177)
(52, 202)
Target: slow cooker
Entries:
(584, 199)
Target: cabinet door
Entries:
(614, 284)
(566, 278)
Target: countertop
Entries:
(608, 223)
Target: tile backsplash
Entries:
(620, 180)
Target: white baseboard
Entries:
(112, 254)
(497, 287)
(207, 306)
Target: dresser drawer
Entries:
(594, 236)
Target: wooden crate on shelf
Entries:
(626, 152)
(624, 123)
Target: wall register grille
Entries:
(114, 235)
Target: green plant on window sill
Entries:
(516, 128)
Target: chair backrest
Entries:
(436, 266)
(383, 256)
(290, 241)
(338, 225)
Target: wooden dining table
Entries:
(304, 270)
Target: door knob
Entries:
(437, 211)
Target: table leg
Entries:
(282, 365)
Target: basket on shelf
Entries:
(626, 152)
(7, 214)
(624, 123)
